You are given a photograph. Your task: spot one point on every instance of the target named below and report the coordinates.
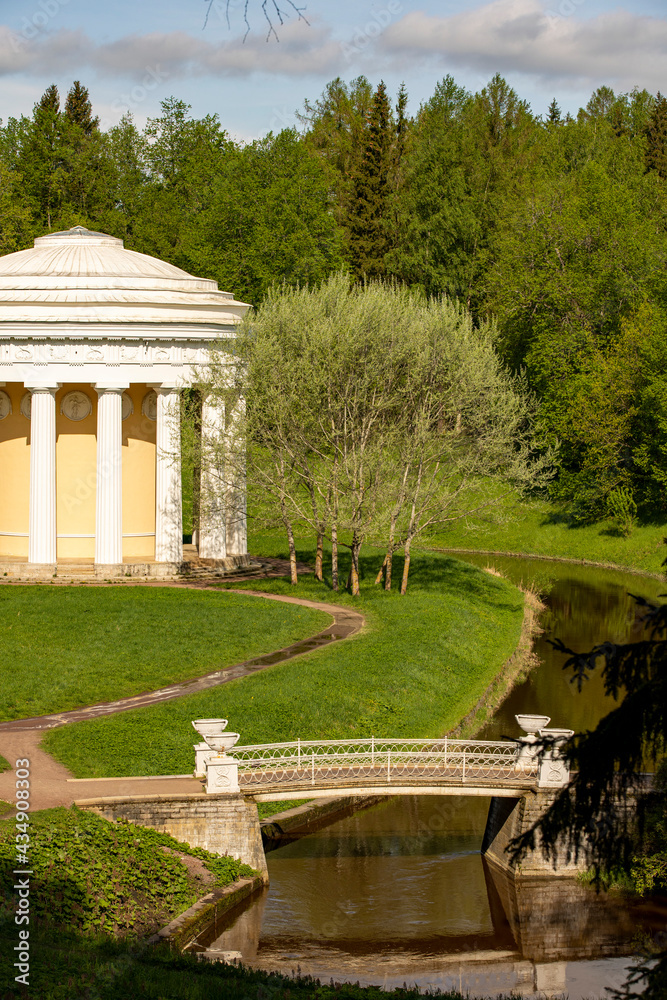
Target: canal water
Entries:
(399, 892)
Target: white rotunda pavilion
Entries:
(95, 343)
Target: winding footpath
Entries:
(53, 785)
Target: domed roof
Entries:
(82, 277)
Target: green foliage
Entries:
(419, 666)
(386, 413)
(555, 227)
(656, 138)
(622, 509)
(368, 216)
(90, 874)
(70, 966)
(4, 764)
(74, 646)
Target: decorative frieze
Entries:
(111, 353)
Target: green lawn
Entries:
(537, 528)
(417, 669)
(65, 647)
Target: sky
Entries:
(133, 54)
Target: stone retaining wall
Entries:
(223, 824)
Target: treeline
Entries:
(555, 227)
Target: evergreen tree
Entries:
(40, 160)
(50, 100)
(656, 138)
(336, 124)
(554, 115)
(79, 110)
(368, 223)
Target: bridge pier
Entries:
(509, 818)
(221, 823)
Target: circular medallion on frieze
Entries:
(76, 405)
(26, 400)
(5, 405)
(149, 405)
(128, 406)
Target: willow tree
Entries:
(323, 370)
(468, 431)
(374, 414)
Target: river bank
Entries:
(399, 892)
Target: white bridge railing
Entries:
(377, 761)
(373, 762)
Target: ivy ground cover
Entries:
(416, 669)
(90, 874)
(65, 647)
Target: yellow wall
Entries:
(76, 464)
(14, 476)
(138, 480)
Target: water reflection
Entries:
(399, 892)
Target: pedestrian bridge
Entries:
(315, 768)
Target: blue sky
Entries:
(132, 54)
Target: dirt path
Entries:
(52, 784)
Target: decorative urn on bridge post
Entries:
(553, 771)
(211, 760)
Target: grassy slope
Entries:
(67, 966)
(73, 646)
(90, 874)
(537, 528)
(419, 666)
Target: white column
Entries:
(42, 539)
(235, 474)
(109, 507)
(212, 535)
(168, 496)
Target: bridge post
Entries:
(509, 818)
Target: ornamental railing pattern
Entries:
(378, 761)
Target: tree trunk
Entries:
(412, 528)
(354, 568)
(334, 557)
(319, 556)
(290, 540)
(387, 579)
(378, 578)
(406, 566)
(389, 558)
(292, 553)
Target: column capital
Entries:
(164, 388)
(101, 387)
(42, 386)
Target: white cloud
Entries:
(526, 36)
(302, 50)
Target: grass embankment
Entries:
(419, 666)
(537, 527)
(90, 874)
(68, 966)
(74, 646)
